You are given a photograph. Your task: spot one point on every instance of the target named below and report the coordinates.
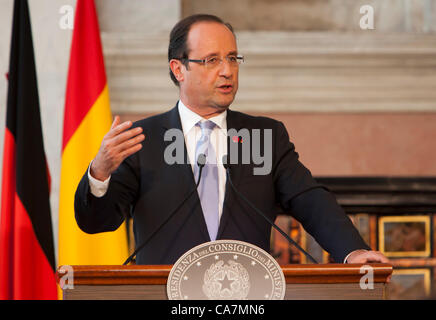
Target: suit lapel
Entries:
(236, 171)
(185, 179)
(182, 173)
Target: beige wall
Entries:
(318, 15)
(369, 144)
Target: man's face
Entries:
(210, 90)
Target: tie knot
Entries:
(206, 126)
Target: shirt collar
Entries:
(189, 118)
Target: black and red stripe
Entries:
(27, 262)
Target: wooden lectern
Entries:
(303, 282)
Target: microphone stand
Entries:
(226, 166)
(201, 161)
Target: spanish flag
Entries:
(27, 260)
(87, 119)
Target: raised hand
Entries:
(117, 145)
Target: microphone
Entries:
(227, 167)
(201, 161)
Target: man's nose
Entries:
(225, 68)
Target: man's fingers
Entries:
(377, 257)
(374, 256)
(126, 144)
(117, 129)
(128, 152)
(126, 135)
(383, 259)
(117, 145)
(115, 155)
(115, 122)
(363, 256)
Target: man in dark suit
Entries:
(131, 174)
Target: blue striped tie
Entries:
(208, 188)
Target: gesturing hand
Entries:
(117, 145)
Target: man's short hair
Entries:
(178, 47)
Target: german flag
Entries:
(27, 262)
(87, 119)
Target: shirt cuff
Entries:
(98, 188)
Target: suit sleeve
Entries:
(311, 203)
(107, 213)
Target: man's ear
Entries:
(178, 69)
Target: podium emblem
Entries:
(226, 270)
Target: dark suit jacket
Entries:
(148, 189)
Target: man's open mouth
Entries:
(226, 88)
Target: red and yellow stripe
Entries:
(87, 119)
